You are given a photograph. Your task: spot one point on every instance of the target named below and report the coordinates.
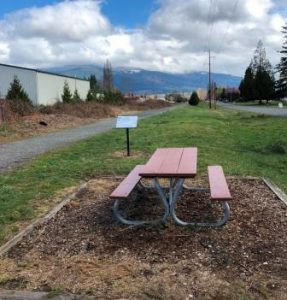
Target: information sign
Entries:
(127, 122)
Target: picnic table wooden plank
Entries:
(188, 163)
(172, 157)
(218, 186)
(154, 162)
(127, 185)
(171, 162)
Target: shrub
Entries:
(178, 98)
(91, 96)
(20, 108)
(114, 97)
(76, 96)
(277, 147)
(67, 95)
(194, 100)
(18, 101)
(16, 92)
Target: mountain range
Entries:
(140, 81)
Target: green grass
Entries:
(243, 143)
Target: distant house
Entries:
(232, 90)
(131, 97)
(232, 93)
(202, 94)
(42, 87)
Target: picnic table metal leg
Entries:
(123, 220)
(173, 183)
(145, 186)
(195, 189)
(219, 223)
(162, 198)
(176, 189)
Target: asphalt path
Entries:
(16, 153)
(271, 111)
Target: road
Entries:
(15, 153)
(271, 111)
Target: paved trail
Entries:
(15, 153)
(271, 111)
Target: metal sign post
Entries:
(128, 141)
(2, 106)
(127, 122)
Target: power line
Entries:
(228, 27)
(209, 25)
(212, 21)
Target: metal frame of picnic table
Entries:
(169, 201)
(169, 197)
(125, 221)
(174, 195)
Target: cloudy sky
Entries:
(165, 35)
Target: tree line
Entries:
(105, 92)
(259, 81)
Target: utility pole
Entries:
(209, 79)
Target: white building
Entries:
(42, 87)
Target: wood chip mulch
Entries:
(84, 250)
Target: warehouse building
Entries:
(43, 88)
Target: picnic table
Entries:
(175, 165)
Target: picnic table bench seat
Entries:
(218, 186)
(125, 188)
(123, 191)
(219, 191)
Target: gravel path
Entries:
(15, 153)
(271, 111)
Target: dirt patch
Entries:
(61, 115)
(84, 250)
(123, 154)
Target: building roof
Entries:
(44, 72)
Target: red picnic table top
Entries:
(171, 162)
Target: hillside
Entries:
(143, 81)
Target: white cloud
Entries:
(231, 29)
(175, 38)
(258, 8)
(67, 20)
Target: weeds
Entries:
(278, 147)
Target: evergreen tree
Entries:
(259, 60)
(281, 84)
(94, 89)
(107, 77)
(247, 85)
(263, 86)
(194, 99)
(67, 95)
(16, 91)
(94, 85)
(223, 94)
(90, 96)
(258, 82)
(76, 96)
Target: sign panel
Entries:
(127, 122)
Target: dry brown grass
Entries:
(61, 116)
(99, 110)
